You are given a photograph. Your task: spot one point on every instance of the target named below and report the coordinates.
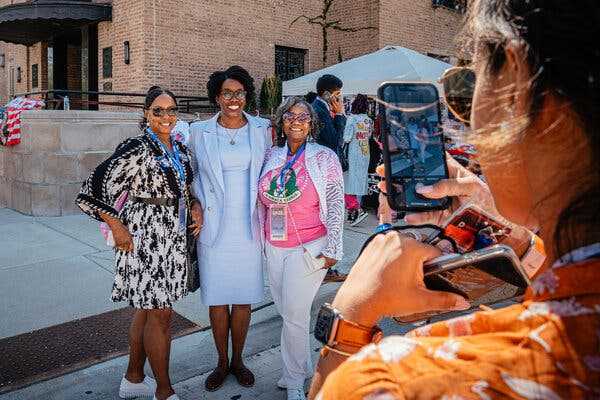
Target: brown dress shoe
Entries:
(333, 275)
(216, 379)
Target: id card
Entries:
(278, 222)
(182, 215)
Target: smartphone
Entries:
(326, 96)
(413, 144)
(485, 276)
(472, 228)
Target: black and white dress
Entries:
(154, 274)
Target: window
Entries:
(107, 62)
(34, 76)
(456, 5)
(289, 62)
(18, 74)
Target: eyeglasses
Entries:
(459, 86)
(238, 94)
(161, 112)
(302, 118)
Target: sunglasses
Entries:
(459, 86)
(239, 94)
(302, 117)
(161, 112)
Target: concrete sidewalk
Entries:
(54, 270)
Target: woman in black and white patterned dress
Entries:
(150, 240)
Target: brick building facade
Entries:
(178, 43)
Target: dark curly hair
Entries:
(151, 95)
(216, 79)
(360, 104)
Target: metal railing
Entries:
(83, 100)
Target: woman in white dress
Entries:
(359, 129)
(229, 150)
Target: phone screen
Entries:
(413, 143)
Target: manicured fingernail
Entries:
(422, 189)
(461, 304)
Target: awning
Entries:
(34, 21)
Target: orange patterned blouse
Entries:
(548, 347)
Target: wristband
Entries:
(382, 227)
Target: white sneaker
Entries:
(296, 394)
(359, 218)
(281, 384)
(171, 397)
(129, 390)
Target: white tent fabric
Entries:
(364, 74)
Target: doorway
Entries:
(73, 67)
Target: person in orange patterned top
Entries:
(535, 119)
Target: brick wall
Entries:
(216, 34)
(178, 43)
(417, 25)
(353, 14)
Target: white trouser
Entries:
(293, 287)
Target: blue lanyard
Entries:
(172, 156)
(289, 165)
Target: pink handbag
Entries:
(104, 228)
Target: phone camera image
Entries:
(414, 144)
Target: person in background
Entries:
(330, 109)
(229, 150)
(310, 97)
(181, 131)
(150, 242)
(535, 122)
(302, 208)
(359, 128)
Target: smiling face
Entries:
(162, 115)
(296, 124)
(230, 99)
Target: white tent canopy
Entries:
(364, 74)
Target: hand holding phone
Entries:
(336, 105)
(387, 279)
(413, 144)
(486, 276)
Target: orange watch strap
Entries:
(355, 335)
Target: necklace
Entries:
(231, 137)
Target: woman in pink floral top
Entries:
(535, 119)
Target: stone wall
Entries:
(42, 175)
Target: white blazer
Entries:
(208, 185)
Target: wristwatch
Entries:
(332, 329)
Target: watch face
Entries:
(324, 324)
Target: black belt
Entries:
(156, 201)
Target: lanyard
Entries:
(173, 157)
(288, 165)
